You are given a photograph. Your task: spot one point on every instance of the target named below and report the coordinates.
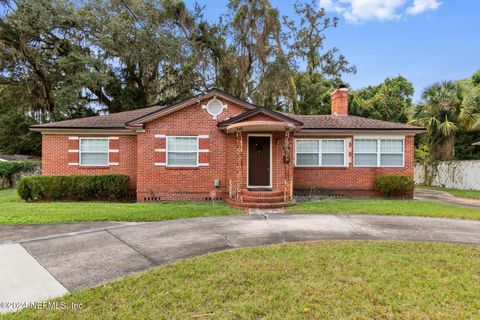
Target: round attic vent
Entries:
(215, 107)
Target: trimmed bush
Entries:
(76, 187)
(10, 170)
(394, 185)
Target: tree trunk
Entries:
(445, 150)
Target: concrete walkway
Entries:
(19, 270)
(88, 254)
(445, 197)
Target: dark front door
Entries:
(258, 161)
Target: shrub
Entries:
(394, 185)
(75, 187)
(9, 170)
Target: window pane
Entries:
(182, 144)
(391, 160)
(307, 159)
(364, 145)
(332, 146)
(93, 145)
(307, 146)
(391, 146)
(214, 107)
(94, 159)
(182, 159)
(367, 159)
(332, 159)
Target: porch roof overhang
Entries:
(260, 126)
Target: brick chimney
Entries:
(339, 99)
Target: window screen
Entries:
(308, 152)
(333, 152)
(318, 152)
(391, 153)
(366, 152)
(182, 151)
(93, 151)
(379, 152)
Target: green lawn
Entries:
(13, 210)
(472, 194)
(386, 207)
(323, 280)
(16, 211)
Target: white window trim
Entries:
(181, 166)
(378, 153)
(93, 165)
(320, 152)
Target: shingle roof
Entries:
(109, 121)
(122, 120)
(310, 122)
(329, 122)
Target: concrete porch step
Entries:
(263, 193)
(263, 199)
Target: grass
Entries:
(472, 194)
(13, 210)
(16, 211)
(324, 280)
(386, 207)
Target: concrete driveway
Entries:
(445, 197)
(75, 256)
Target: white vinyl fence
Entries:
(450, 174)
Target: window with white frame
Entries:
(182, 151)
(93, 152)
(384, 152)
(215, 107)
(320, 152)
(391, 153)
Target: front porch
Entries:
(261, 171)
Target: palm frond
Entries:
(447, 128)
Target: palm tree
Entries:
(445, 108)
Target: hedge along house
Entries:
(214, 145)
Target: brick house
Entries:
(214, 145)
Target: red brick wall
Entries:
(260, 117)
(56, 156)
(137, 158)
(340, 102)
(161, 182)
(349, 180)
